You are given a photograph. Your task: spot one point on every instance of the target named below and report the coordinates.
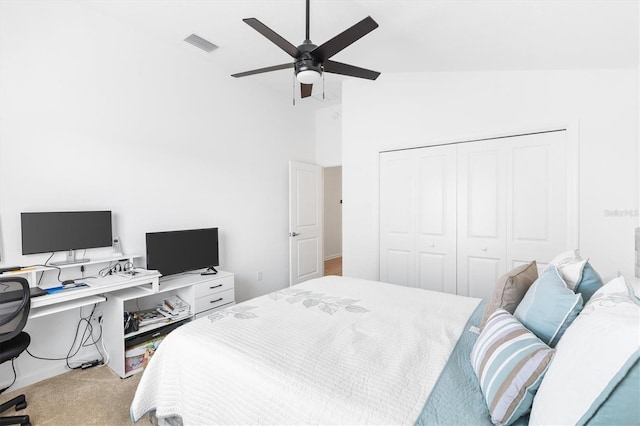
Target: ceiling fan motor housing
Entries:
(306, 63)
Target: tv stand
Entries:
(71, 259)
(204, 295)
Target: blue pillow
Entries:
(589, 283)
(549, 307)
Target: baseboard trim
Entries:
(24, 380)
(333, 256)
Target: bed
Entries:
(340, 350)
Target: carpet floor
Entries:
(95, 396)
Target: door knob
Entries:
(293, 234)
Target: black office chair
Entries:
(15, 302)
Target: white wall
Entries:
(332, 212)
(329, 136)
(97, 115)
(410, 110)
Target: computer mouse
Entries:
(67, 282)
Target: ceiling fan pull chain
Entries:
(322, 69)
(293, 92)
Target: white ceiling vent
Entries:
(201, 43)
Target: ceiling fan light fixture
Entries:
(308, 76)
(308, 71)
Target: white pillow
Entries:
(593, 356)
(570, 266)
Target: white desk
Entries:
(75, 298)
(120, 293)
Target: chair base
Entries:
(20, 402)
(15, 420)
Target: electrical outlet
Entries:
(259, 276)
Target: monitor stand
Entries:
(210, 271)
(71, 259)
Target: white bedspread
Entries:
(330, 351)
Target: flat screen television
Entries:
(44, 232)
(174, 252)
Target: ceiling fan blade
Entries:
(261, 70)
(274, 37)
(344, 39)
(305, 90)
(346, 69)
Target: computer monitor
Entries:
(173, 252)
(44, 232)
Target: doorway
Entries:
(333, 220)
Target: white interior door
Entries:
(305, 222)
(417, 218)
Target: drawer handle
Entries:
(216, 286)
(217, 300)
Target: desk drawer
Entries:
(214, 300)
(213, 286)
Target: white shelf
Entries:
(31, 272)
(157, 325)
(64, 306)
(96, 286)
(121, 258)
(32, 269)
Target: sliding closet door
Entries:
(512, 207)
(418, 218)
(455, 218)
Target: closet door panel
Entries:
(399, 266)
(481, 276)
(397, 230)
(436, 218)
(538, 227)
(432, 272)
(481, 217)
(417, 218)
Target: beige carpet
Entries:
(95, 396)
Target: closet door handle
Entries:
(483, 249)
(293, 234)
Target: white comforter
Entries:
(330, 351)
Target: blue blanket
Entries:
(456, 398)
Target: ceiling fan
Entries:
(310, 61)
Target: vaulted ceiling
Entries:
(413, 35)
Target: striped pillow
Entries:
(510, 363)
